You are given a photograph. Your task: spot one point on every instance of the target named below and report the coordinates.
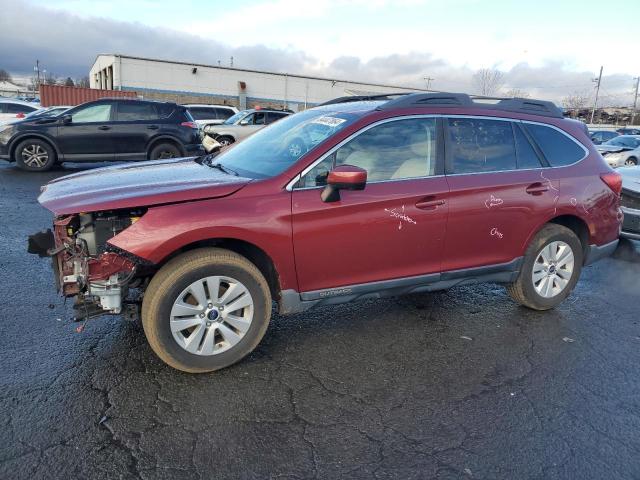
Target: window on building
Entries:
(479, 145)
(557, 147)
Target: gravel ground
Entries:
(455, 384)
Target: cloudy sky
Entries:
(545, 48)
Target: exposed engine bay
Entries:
(86, 266)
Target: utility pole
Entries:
(635, 101)
(37, 69)
(428, 80)
(231, 63)
(595, 102)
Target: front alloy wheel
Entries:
(211, 315)
(206, 309)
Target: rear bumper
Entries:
(598, 252)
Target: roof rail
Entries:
(519, 105)
(362, 98)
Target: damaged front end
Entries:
(86, 267)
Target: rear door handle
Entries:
(153, 127)
(104, 127)
(537, 188)
(429, 203)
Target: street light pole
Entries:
(595, 102)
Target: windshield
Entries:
(273, 149)
(629, 142)
(232, 120)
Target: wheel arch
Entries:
(574, 223)
(250, 251)
(26, 136)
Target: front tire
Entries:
(205, 310)
(550, 270)
(631, 162)
(34, 155)
(225, 140)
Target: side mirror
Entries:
(66, 119)
(244, 122)
(344, 177)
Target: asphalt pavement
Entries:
(461, 384)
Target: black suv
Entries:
(103, 130)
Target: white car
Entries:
(210, 114)
(621, 151)
(11, 109)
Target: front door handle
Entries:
(104, 127)
(153, 127)
(537, 188)
(429, 203)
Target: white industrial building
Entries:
(196, 83)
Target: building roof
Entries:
(10, 87)
(353, 82)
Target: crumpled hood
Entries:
(139, 184)
(630, 178)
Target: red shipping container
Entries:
(51, 95)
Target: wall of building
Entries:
(194, 83)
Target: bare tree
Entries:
(488, 81)
(576, 100)
(83, 82)
(49, 79)
(5, 76)
(516, 93)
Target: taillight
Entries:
(613, 181)
(190, 125)
(20, 115)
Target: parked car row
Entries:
(13, 109)
(102, 130)
(621, 151)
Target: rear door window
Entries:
(202, 113)
(479, 145)
(130, 112)
(273, 116)
(557, 147)
(525, 153)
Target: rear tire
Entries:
(542, 284)
(199, 335)
(34, 155)
(164, 151)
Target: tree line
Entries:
(48, 79)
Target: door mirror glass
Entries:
(244, 122)
(344, 177)
(66, 119)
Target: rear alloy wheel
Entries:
(631, 162)
(164, 151)
(34, 155)
(550, 269)
(206, 309)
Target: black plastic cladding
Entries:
(519, 105)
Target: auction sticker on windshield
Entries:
(329, 121)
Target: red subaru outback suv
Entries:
(353, 199)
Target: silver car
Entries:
(621, 151)
(243, 124)
(630, 202)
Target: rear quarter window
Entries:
(558, 148)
